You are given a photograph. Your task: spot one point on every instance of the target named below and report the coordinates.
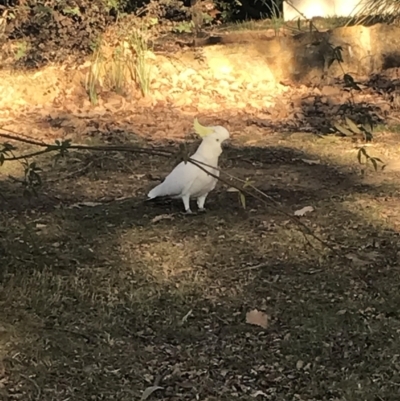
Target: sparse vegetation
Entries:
(93, 79)
(55, 30)
(138, 62)
(383, 10)
(286, 289)
(125, 65)
(21, 50)
(91, 273)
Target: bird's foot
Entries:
(202, 210)
(188, 212)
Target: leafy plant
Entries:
(350, 128)
(241, 191)
(387, 10)
(228, 9)
(350, 83)
(72, 11)
(114, 4)
(93, 77)
(274, 8)
(184, 27)
(242, 198)
(21, 51)
(7, 149)
(117, 70)
(375, 161)
(32, 179)
(139, 66)
(56, 29)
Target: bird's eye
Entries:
(217, 140)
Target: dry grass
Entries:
(101, 303)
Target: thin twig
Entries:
(28, 155)
(50, 147)
(275, 207)
(38, 389)
(17, 137)
(259, 195)
(330, 44)
(128, 149)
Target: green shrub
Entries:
(55, 29)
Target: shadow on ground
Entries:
(103, 301)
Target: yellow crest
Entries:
(201, 130)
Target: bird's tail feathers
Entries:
(154, 192)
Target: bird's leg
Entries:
(200, 202)
(186, 203)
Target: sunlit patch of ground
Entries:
(105, 300)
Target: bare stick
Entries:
(259, 195)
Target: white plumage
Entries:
(186, 180)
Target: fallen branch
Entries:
(66, 146)
(262, 198)
(48, 148)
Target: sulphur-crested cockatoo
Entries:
(188, 181)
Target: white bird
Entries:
(186, 180)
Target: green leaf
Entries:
(248, 183)
(8, 147)
(368, 127)
(242, 199)
(35, 178)
(63, 152)
(66, 143)
(374, 163)
(367, 131)
(349, 82)
(43, 9)
(359, 154)
(337, 51)
(343, 130)
(348, 79)
(72, 11)
(362, 152)
(352, 125)
(368, 136)
(153, 21)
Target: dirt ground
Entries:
(107, 296)
(104, 295)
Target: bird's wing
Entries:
(180, 179)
